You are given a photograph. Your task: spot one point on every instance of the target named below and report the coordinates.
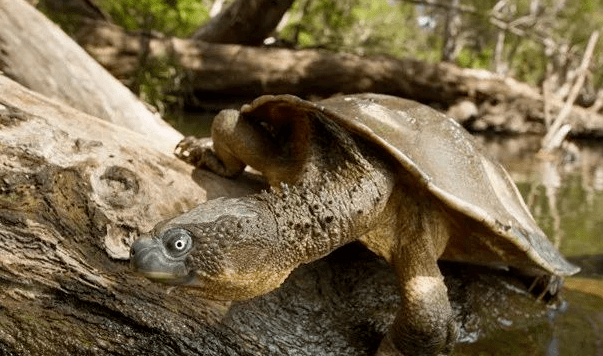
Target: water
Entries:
(565, 195)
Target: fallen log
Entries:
(38, 54)
(74, 192)
(222, 72)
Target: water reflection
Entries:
(565, 195)
(564, 192)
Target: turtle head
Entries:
(221, 247)
(163, 258)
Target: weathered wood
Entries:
(38, 54)
(74, 193)
(246, 22)
(217, 72)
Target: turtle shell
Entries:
(447, 161)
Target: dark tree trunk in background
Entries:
(81, 9)
(246, 22)
(38, 54)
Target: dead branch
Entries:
(548, 142)
(598, 104)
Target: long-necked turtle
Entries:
(402, 178)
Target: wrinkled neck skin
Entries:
(311, 220)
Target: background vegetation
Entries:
(539, 31)
(170, 17)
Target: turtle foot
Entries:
(425, 324)
(546, 287)
(194, 150)
(200, 153)
(439, 343)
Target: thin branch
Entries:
(495, 19)
(548, 143)
(546, 98)
(598, 104)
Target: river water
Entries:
(565, 194)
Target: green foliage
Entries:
(357, 26)
(529, 62)
(172, 17)
(390, 27)
(159, 82)
(470, 58)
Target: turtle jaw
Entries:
(148, 258)
(230, 285)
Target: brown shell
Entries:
(448, 162)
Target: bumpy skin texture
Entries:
(334, 182)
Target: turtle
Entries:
(405, 180)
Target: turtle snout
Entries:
(139, 255)
(149, 258)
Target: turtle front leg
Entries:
(214, 154)
(234, 143)
(424, 324)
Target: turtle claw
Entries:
(547, 286)
(194, 150)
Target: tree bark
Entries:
(36, 53)
(218, 72)
(246, 22)
(75, 192)
(452, 27)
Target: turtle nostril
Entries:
(140, 245)
(133, 249)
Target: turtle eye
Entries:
(177, 241)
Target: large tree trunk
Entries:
(217, 72)
(246, 22)
(75, 191)
(36, 53)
